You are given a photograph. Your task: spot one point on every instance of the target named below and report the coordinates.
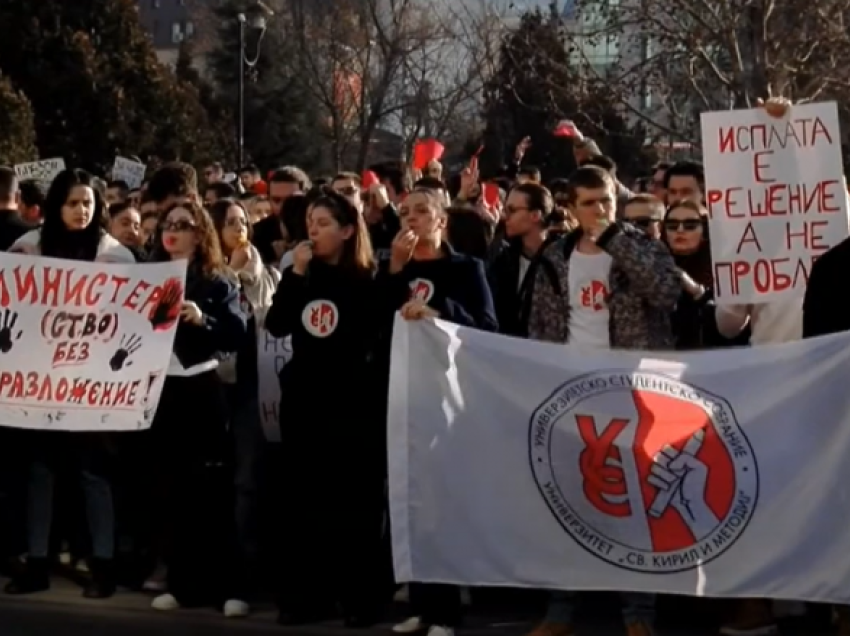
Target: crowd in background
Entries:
(201, 509)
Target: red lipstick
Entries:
(169, 240)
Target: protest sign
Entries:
(272, 354)
(776, 198)
(85, 346)
(129, 171)
(43, 171)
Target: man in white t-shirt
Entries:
(617, 286)
(614, 287)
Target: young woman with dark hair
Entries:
(189, 436)
(257, 283)
(685, 232)
(331, 400)
(74, 228)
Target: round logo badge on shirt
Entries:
(320, 318)
(421, 289)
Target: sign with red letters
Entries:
(776, 198)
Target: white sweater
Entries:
(771, 323)
(108, 251)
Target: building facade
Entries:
(168, 22)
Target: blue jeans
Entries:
(100, 512)
(637, 606)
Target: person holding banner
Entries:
(614, 287)
(426, 279)
(74, 228)
(189, 434)
(332, 423)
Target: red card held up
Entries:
(368, 179)
(426, 150)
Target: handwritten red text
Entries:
(46, 389)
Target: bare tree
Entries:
(394, 65)
(689, 56)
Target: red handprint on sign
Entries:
(601, 467)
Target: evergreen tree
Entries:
(95, 84)
(535, 86)
(282, 124)
(219, 144)
(17, 141)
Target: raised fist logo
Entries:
(8, 335)
(166, 311)
(127, 347)
(681, 479)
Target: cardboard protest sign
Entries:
(776, 198)
(43, 171)
(272, 356)
(129, 171)
(85, 346)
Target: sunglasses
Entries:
(688, 225)
(643, 222)
(348, 191)
(178, 226)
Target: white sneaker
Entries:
(165, 603)
(412, 624)
(235, 608)
(441, 630)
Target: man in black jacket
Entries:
(824, 308)
(12, 226)
(825, 311)
(512, 270)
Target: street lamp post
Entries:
(256, 21)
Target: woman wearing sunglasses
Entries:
(190, 444)
(685, 231)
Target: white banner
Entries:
(85, 346)
(720, 473)
(776, 198)
(272, 354)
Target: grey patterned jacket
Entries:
(645, 287)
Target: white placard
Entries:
(43, 171)
(85, 346)
(129, 171)
(272, 355)
(776, 198)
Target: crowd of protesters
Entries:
(201, 510)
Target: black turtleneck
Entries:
(331, 312)
(12, 227)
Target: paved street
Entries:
(63, 612)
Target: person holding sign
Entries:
(613, 287)
(190, 442)
(332, 408)
(73, 229)
(771, 323)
